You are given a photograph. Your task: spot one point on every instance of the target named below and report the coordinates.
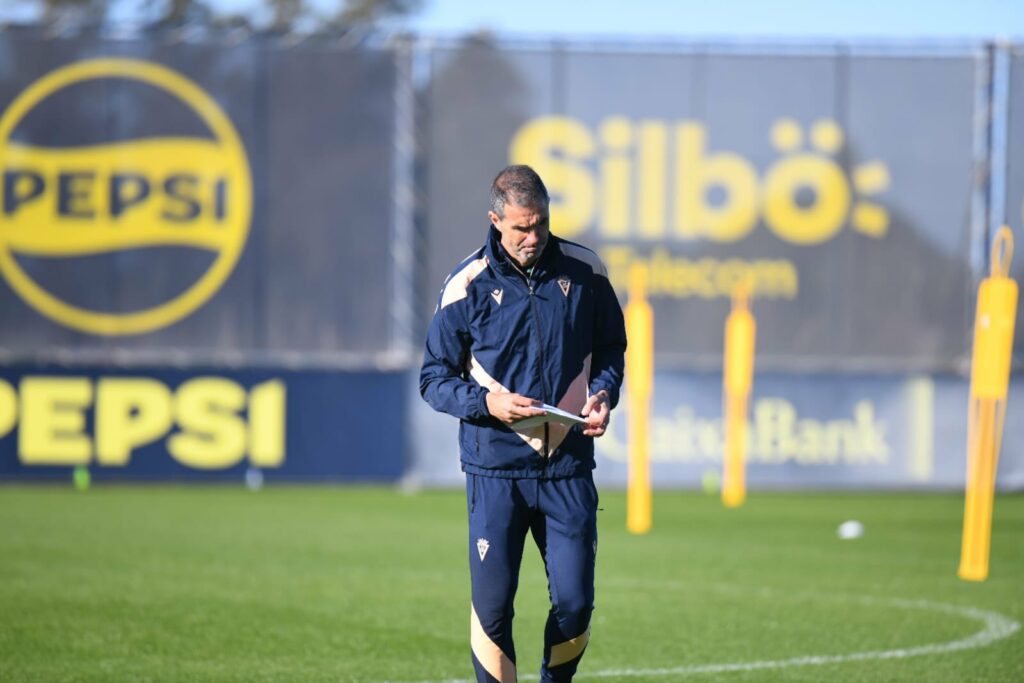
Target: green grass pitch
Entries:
(164, 583)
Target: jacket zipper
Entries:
(540, 340)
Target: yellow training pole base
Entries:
(734, 480)
(977, 535)
(638, 494)
(733, 498)
(638, 517)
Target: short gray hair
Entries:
(519, 185)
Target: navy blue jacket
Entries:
(557, 336)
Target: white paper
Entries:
(551, 414)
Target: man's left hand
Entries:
(597, 412)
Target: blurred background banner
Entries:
(271, 223)
(197, 203)
(838, 431)
(201, 424)
(806, 431)
(843, 181)
(849, 183)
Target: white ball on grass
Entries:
(850, 529)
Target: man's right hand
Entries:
(511, 408)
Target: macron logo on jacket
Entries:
(557, 336)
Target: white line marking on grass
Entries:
(995, 627)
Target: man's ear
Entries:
(493, 217)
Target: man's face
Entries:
(524, 232)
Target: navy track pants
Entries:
(562, 516)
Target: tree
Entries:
(283, 16)
(184, 12)
(287, 14)
(371, 11)
(87, 12)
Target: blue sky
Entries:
(934, 19)
(673, 19)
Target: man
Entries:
(527, 319)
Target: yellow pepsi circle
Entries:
(218, 164)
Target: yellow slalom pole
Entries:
(639, 384)
(990, 379)
(740, 333)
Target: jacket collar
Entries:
(501, 261)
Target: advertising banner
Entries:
(814, 176)
(204, 201)
(203, 424)
(804, 432)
